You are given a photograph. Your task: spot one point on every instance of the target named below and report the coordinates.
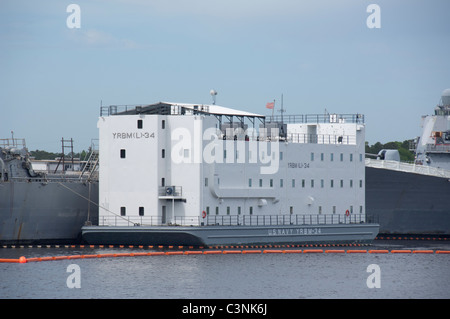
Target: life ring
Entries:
(347, 213)
(203, 214)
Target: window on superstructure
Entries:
(206, 181)
(163, 153)
(360, 209)
(321, 183)
(281, 183)
(163, 124)
(331, 157)
(281, 156)
(342, 157)
(351, 183)
(360, 157)
(351, 157)
(217, 210)
(312, 183)
(239, 210)
(249, 182)
(360, 183)
(303, 183)
(123, 211)
(291, 210)
(122, 153)
(207, 210)
(271, 182)
(251, 210)
(320, 209)
(342, 183)
(321, 157)
(312, 157)
(334, 209)
(260, 182)
(228, 210)
(141, 211)
(139, 124)
(293, 183)
(163, 181)
(331, 183)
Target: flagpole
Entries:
(273, 109)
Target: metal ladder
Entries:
(91, 164)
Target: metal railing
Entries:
(236, 220)
(409, 168)
(321, 139)
(295, 138)
(317, 118)
(12, 142)
(438, 148)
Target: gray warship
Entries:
(414, 198)
(44, 207)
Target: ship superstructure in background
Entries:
(415, 198)
(173, 173)
(40, 206)
(433, 146)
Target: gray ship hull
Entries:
(37, 213)
(408, 204)
(230, 235)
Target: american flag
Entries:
(270, 105)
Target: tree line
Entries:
(44, 155)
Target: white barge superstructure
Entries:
(173, 173)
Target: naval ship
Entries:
(39, 207)
(195, 174)
(414, 198)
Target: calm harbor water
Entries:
(239, 276)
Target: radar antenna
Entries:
(213, 94)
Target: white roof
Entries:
(216, 109)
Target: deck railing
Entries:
(236, 220)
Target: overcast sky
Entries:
(320, 54)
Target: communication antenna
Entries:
(213, 94)
(281, 110)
